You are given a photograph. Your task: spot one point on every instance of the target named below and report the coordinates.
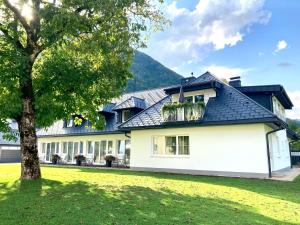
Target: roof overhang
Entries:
(276, 90)
(194, 87)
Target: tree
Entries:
(65, 57)
(295, 126)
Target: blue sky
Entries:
(256, 39)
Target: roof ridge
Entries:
(136, 115)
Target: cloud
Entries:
(295, 113)
(226, 72)
(280, 46)
(212, 25)
(285, 64)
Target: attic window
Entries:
(199, 98)
(70, 123)
(125, 115)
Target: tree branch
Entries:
(5, 31)
(18, 15)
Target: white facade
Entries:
(234, 150)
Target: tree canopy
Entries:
(80, 51)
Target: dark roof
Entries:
(229, 107)
(132, 102)
(277, 90)
(108, 108)
(149, 97)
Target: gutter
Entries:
(268, 148)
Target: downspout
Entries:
(290, 143)
(268, 149)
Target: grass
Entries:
(93, 196)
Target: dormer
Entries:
(128, 108)
(188, 100)
(195, 92)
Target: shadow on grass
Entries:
(79, 202)
(289, 191)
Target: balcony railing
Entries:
(187, 111)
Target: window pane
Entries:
(76, 148)
(57, 148)
(44, 148)
(110, 147)
(188, 99)
(121, 147)
(70, 151)
(159, 145)
(97, 152)
(81, 148)
(171, 145)
(102, 150)
(90, 147)
(199, 98)
(126, 115)
(183, 145)
(70, 123)
(65, 147)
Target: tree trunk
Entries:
(30, 166)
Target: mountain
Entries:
(149, 73)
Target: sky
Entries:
(258, 40)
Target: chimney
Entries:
(235, 82)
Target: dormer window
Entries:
(70, 123)
(198, 98)
(125, 115)
(188, 99)
(194, 99)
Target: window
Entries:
(44, 148)
(125, 115)
(188, 99)
(171, 145)
(81, 148)
(109, 147)
(90, 148)
(183, 145)
(65, 150)
(57, 148)
(199, 98)
(121, 147)
(70, 123)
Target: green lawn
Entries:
(93, 196)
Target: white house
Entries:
(203, 126)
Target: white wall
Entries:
(234, 148)
(279, 150)
(84, 139)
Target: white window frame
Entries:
(44, 153)
(123, 117)
(177, 146)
